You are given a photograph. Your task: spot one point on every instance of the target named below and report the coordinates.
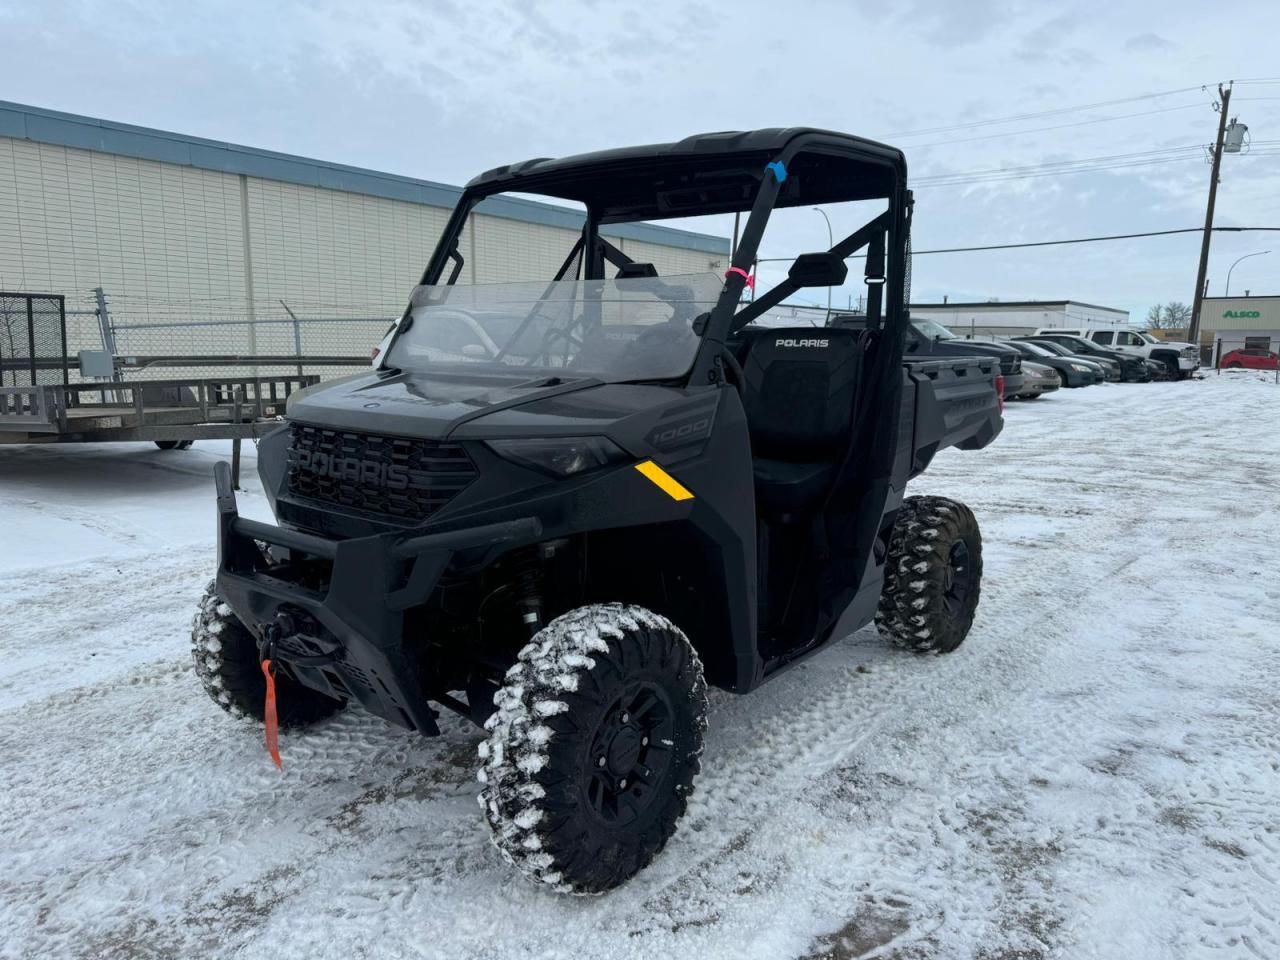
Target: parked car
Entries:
(1159, 371)
(1104, 368)
(1132, 368)
(1039, 380)
(926, 338)
(1069, 371)
(1250, 359)
(1180, 359)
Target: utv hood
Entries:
(409, 405)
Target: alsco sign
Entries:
(1243, 314)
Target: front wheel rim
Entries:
(630, 755)
(958, 578)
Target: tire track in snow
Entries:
(62, 623)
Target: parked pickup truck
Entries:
(1181, 359)
(930, 338)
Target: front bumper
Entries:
(345, 634)
(1014, 384)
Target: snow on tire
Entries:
(933, 575)
(226, 659)
(593, 747)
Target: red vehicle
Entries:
(1250, 359)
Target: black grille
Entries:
(398, 478)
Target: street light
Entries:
(831, 242)
(1233, 266)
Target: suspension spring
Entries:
(527, 576)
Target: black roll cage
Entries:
(763, 189)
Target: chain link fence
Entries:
(33, 340)
(157, 339)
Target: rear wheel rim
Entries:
(958, 578)
(630, 756)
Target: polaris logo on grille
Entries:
(801, 343)
(392, 476)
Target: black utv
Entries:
(561, 508)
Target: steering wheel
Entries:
(651, 345)
(733, 370)
(549, 338)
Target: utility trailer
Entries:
(170, 413)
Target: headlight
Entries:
(560, 456)
(1079, 368)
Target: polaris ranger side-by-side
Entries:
(561, 508)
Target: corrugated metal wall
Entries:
(170, 242)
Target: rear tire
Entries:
(173, 444)
(226, 658)
(593, 747)
(933, 575)
(1235, 365)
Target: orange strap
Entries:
(269, 715)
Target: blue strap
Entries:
(779, 170)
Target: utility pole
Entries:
(1193, 334)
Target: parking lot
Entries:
(1094, 769)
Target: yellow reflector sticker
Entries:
(665, 481)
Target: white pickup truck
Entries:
(1180, 358)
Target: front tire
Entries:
(226, 658)
(933, 575)
(593, 747)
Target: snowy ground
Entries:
(1094, 774)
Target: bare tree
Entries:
(1169, 316)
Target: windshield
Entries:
(613, 330)
(932, 330)
(1035, 350)
(1053, 347)
(1147, 338)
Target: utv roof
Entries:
(707, 173)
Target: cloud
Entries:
(1148, 42)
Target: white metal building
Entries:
(177, 228)
(1241, 322)
(1013, 317)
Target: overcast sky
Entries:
(442, 89)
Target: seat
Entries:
(799, 385)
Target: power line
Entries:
(943, 180)
(1055, 243)
(1114, 236)
(1058, 126)
(1045, 113)
(1064, 164)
